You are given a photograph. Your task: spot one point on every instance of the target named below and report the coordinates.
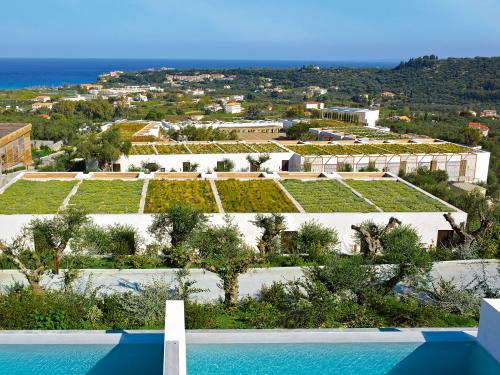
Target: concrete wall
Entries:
(489, 327)
(483, 162)
(426, 223)
(206, 162)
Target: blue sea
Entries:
(18, 73)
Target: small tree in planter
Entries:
(221, 250)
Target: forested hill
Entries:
(418, 82)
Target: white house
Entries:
(232, 107)
(367, 117)
(314, 105)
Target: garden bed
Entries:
(253, 196)
(396, 196)
(266, 147)
(142, 150)
(204, 148)
(171, 149)
(34, 197)
(128, 129)
(193, 193)
(235, 148)
(326, 196)
(108, 197)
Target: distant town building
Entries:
(488, 113)
(367, 117)
(315, 90)
(314, 105)
(213, 107)
(232, 107)
(388, 94)
(40, 105)
(141, 98)
(42, 99)
(481, 127)
(15, 146)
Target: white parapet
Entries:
(174, 344)
(489, 327)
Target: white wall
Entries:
(427, 223)
(482, 164)
(489, 327)
(206, 162)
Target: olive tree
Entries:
(272, 226)
(315, 240)
(369, 235)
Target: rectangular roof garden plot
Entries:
(235, 148)
(326, 196)
(396, 196)
(194, 193)
(34, 197)
(205, 148)
(142, 150)
(171, 149)
(253, 196)
(108, 197)
(266, 147)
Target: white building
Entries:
(232, 107)
(367, 117)
(42, 99)
(141, 98)
(41, 105)
(314, 105)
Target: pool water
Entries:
(348, 359)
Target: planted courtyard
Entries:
(34, 197)
(326, 196)
(108, 197)
(253, 196)
(196, 194)
(395, 196)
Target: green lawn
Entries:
(193, 193)
(253, 196)
(395, 196)
(326, 196)
(34, 197)
(108, 197)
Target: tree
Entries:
(177, 224)
(315, 240)
(472, 136)
(227, 166)
(272, 225)
(102, 148)
(369, 235)
(55, 234)
(222, 251)
(253, 113)
(256, 164)
(402, 248)
(31, 262)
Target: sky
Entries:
(327, 30)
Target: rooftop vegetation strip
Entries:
(326, 196)
(204, 148)
(34, 197)
(451, 148)
(194, 193)
(108, 197)
(142, 150)
(266, 147)
(128, 129)
(171, 149)
(253, 196)
(395, 196)
(235, 148)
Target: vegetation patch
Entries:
(266, 147)
(196, 194)
(326, 196)
(171, 149)
(205, 148)
(108, 197)
(253, 196)
(235, 148)
(128, 129)
(34, 197)
(395, 196)
(142, 150)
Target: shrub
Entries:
(314, 240)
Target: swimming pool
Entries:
(442, 358)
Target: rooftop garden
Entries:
(34, 197)
(450, 147)
(235, 148)
(194, 193)
(326, 196)
(128, 129)
(108, 197)
(171, 149)
(253, 196)
(396, 196)
(142, 150)
(266, 147)
(205, 148)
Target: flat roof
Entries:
(349, 109)
(7, 128)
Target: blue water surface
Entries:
(23, 72)
(444, 358)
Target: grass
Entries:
(142, 150)
(194, 193)
(395, 196)
(266, 147)
(34, 197)
(108, 197)
(205, 148)
(128, 129)
(326, 196)
(171, 149)
(253, 196)
(235, 148)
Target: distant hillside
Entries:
(421, 82)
